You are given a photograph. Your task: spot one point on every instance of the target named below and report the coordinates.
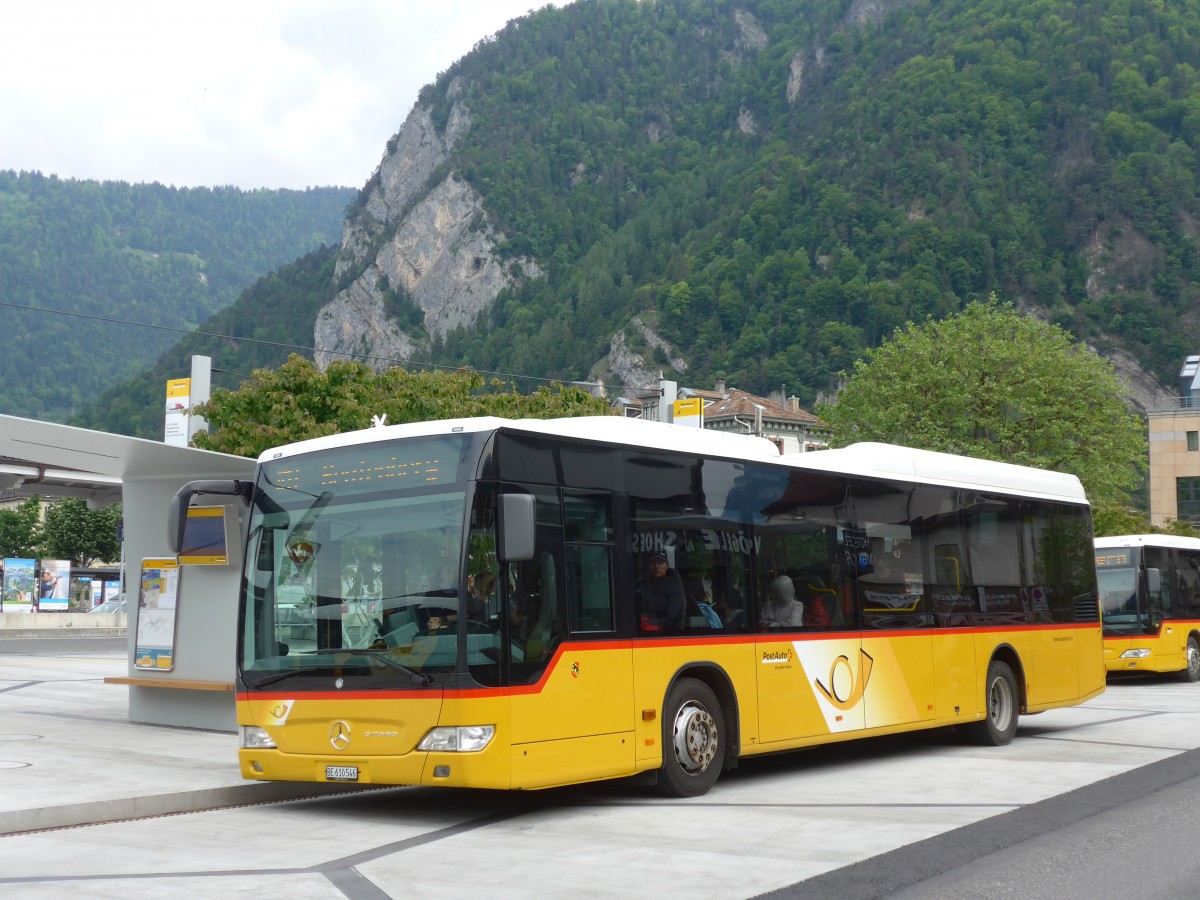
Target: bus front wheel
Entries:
(693, 735)
(1192, 672)
(1003, 707)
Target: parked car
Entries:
(115, 605)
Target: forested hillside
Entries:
(777, 184)
(785, 186)
(142, 253)
(272, 319)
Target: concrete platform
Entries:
(164, 811)
(70, 756)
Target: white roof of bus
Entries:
(929, 467)
(1148, 540)
(867, 459)
(604, 429)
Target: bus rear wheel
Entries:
(693, 735)
(1192, 672)
(1003, 708)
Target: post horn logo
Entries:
(858, 683)
(339, 735)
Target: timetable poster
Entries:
(158, 592)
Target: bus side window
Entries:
(590, 546)
(1189, 583)
(1160, 558)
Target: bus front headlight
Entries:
(460, 739)
(255, 738)
(1135, 654)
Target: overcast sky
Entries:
(252, 93)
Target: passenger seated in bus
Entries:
(730, 608)
(700, 612)
(782, 610)
(662, 601)
(482, 592)
(820, 602)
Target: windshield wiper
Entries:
(279, 676)
(413, 676)
(379, 655)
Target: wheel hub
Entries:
(696, 738)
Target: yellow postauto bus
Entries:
(1150, 601)
(523, 604)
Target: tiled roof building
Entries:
(792, 429)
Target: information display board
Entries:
(204, 538)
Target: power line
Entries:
(310, 350)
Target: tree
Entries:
(993, 383)
(296, 401)
(83, 536)
(20, 531)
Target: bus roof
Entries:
(1148, 540)
(871, 460)
(599, 429)
(927, 466)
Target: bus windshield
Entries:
(353, 567)
(1124, 604)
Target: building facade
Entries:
(1174, 432)
(779, 420)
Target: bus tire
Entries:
(1192, 672)
(1002, 708)
(693, 740)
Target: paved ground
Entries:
(866, 819)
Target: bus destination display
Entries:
(384, 466)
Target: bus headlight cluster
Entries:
(460, 739)
(1135, 654)
(255, 738)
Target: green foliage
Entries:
(20, 530)
(296, 402)
(954, 150)
(993, 383)
(84, 536)
(1044, 150)
(143, 253)
(1112, 519)
(1179, 529)
(272, 320)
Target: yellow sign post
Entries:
(689, 413)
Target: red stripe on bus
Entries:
(662, 643)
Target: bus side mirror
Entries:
(517, 525)
(1153, 581)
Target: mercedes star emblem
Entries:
(339, 735)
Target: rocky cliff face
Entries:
(421, 233)
(628, 365)
(427, 240)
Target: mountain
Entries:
(80, 258)
(762, 189)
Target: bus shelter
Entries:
(181, 613)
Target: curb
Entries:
(102, 811)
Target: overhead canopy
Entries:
(52, 460)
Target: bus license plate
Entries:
(341, 773)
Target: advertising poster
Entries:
(54, 585)
(18, 585)
(158, 592)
